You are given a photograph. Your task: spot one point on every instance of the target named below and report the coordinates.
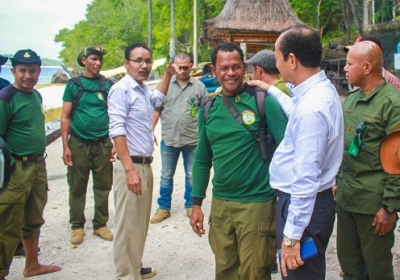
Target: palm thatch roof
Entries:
(256, 22)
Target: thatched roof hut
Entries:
(256, 22)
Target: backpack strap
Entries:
(260, 97)
(209, 102)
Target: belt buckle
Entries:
(144, 160)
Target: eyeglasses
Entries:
(184, 68)
(139, 62)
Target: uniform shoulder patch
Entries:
(394, 98)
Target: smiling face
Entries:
(229, 70)
(26, 76)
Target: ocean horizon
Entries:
(45, 75)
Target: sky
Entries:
(33, 24)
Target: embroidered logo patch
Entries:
(248, 117)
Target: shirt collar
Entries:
(175, 80)
(134, 84)
(301, 89)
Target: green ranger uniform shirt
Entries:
(240, 174)
(363, 186)
(22, 121)
(89, 119)
(282, 86)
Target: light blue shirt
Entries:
(130, 109)
(308, 158)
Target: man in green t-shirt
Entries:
(22, 203)
(242, 217)
(87, 146)
(264, 69)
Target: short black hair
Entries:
(227, 47)
(304, 42)
(129, 48)
(182, 56)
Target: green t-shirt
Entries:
(89, 119)
(22, 121)
(240, 174)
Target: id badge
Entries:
(354, 148)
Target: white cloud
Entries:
(34, 24)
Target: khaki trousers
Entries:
(242, 237)
(132, 215)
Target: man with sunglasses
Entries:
(87, 146)
(179, 133)
(367, 198)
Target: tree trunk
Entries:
(347, 19)
(355, 9)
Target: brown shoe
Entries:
(77, 236)
(104, 233)
(189, 212)
(160, 216)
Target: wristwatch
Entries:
(289, 242)
(389, 209)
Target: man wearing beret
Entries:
(87, 146)
(22, 128)
(3, 82)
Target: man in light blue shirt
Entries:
(306, 162)
(130, 108)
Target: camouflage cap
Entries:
(95, 49)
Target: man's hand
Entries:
(134, 182)
(196, 220)
(384, 222)
(290, 258)
(334, 190)
(67, 157)
(155, 140)
(171, 68)
(258, 83)
(113, 152)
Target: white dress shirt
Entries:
(130, 109)
(307, 160)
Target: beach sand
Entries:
(171, 247)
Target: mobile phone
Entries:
(307, 249)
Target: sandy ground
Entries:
(171, 247)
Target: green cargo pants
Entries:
(242, 237)
(89, 156)
(21, 209)
(359, 248)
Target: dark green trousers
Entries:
(21, 209)
(89, 156)
(360, 249)
(243, 239)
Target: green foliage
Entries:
(114, 24)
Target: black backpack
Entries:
(81, 90)
(263, 136)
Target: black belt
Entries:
(323, 193)
(141, 160)
(30, 158)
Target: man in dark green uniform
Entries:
(87, 146)
(242, 217)
(22, 204)
(367, 197)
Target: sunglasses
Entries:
(184, 68)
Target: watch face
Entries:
(287, 241)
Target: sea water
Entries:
(45, 75)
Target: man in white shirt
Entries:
(305, 163)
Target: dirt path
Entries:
(171, 246)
